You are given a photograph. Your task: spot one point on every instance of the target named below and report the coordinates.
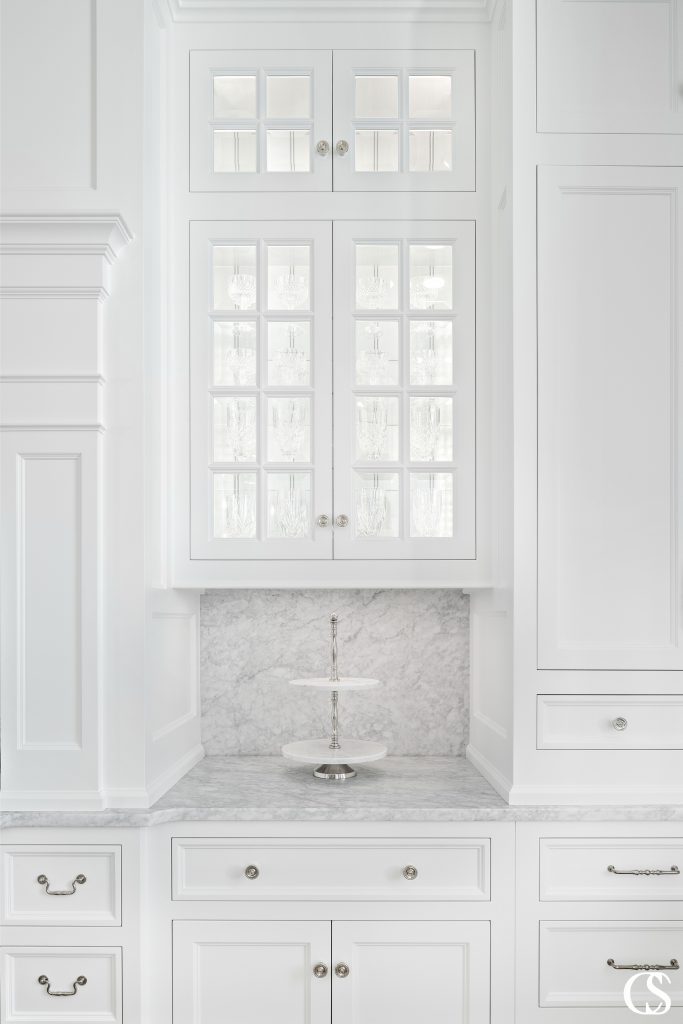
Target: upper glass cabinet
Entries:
(396, 120)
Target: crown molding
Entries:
(329, 10)
(57, 234)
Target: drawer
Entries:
(573, 961)
(609, 722)
(82, 885)
(611, 869)
(215, 869)
(27, 1000)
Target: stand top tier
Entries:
(344, 683)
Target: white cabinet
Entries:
(53, 985)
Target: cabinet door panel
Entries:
(251, 972)
(260, 368)
(408, 117)
(609, 430)
(408, 971)
(256, 117)
(404, 391)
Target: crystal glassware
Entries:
(291, 290)
(371, 510)
(372, 364)
(291, 362)
(240, 514)
(430, 352)
(425, 426)
(289, 512)
(240, 429)
(242, 290)
(372, 291)
(373, 426)
(240, 361)
(289, 423)
(427, 510)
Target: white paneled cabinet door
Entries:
(407, 971)
(404, 394)
(251, 972)
(609, 422)
(260, 366)
(407, 118)
(259, 120)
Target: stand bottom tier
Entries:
(348, 753)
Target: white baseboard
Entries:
(53, 800)
(174, 773)
(500, 783)
(586, 796)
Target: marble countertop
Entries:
(445, 789)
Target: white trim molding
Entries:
(329, 10)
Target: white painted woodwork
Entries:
(609, 518)
(586, 722)
(403, 971)
(283, 11)
(48, 132)
(25, 901)
(317, 542)
(573, 969)
(401, 542)
(391, 133)
(25, 1001)
(259, 68)
(213, 869)
(577, 869)
(254, 972)
(609, 67)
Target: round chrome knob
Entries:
(342, 147)
(342, 970)
(409, 872)
(619, 724)
(320, 970)
(322, 520)
(251, 871)
(342, 520)
(323, 147)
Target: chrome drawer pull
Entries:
(674, 870)
(44, 880)
(80, 980)
(673, 965)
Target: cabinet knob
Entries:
(409, 872)
(320, 970)
(619, 724)
(342, 147)
(251, 871)
(342, 970)
(323, 520)
(323, 147)
(342, 521)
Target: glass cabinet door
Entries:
(404, 389)
(260, 119)
(260, 380)
(407, 118)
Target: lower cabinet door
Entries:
(251, 972)
(405, 972)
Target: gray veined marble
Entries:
(415, 641)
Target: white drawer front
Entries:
(611, 869)
(215, 869)
(596, 722)
(574, 954)
(26, 901)
(27, 1000)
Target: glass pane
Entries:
(234, 505)
(288, 150)
(289, 429)
(376, 96)
(431, 352)
(234, 277)
(289, 353)
(377, 351)
(431, 276)
(289, 504)
(429, 96)
(376, 276)
(234, 152)
(234, 97)
(431, 429)
(377, 150)
(431, 504)
(377, 428)
(234, 354)
(289, 277)
(377, 504)
(234, 429)
(288, 96)
(431, 150)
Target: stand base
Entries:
(337, 772)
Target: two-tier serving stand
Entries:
(335, 757)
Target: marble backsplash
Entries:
(415, 641)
